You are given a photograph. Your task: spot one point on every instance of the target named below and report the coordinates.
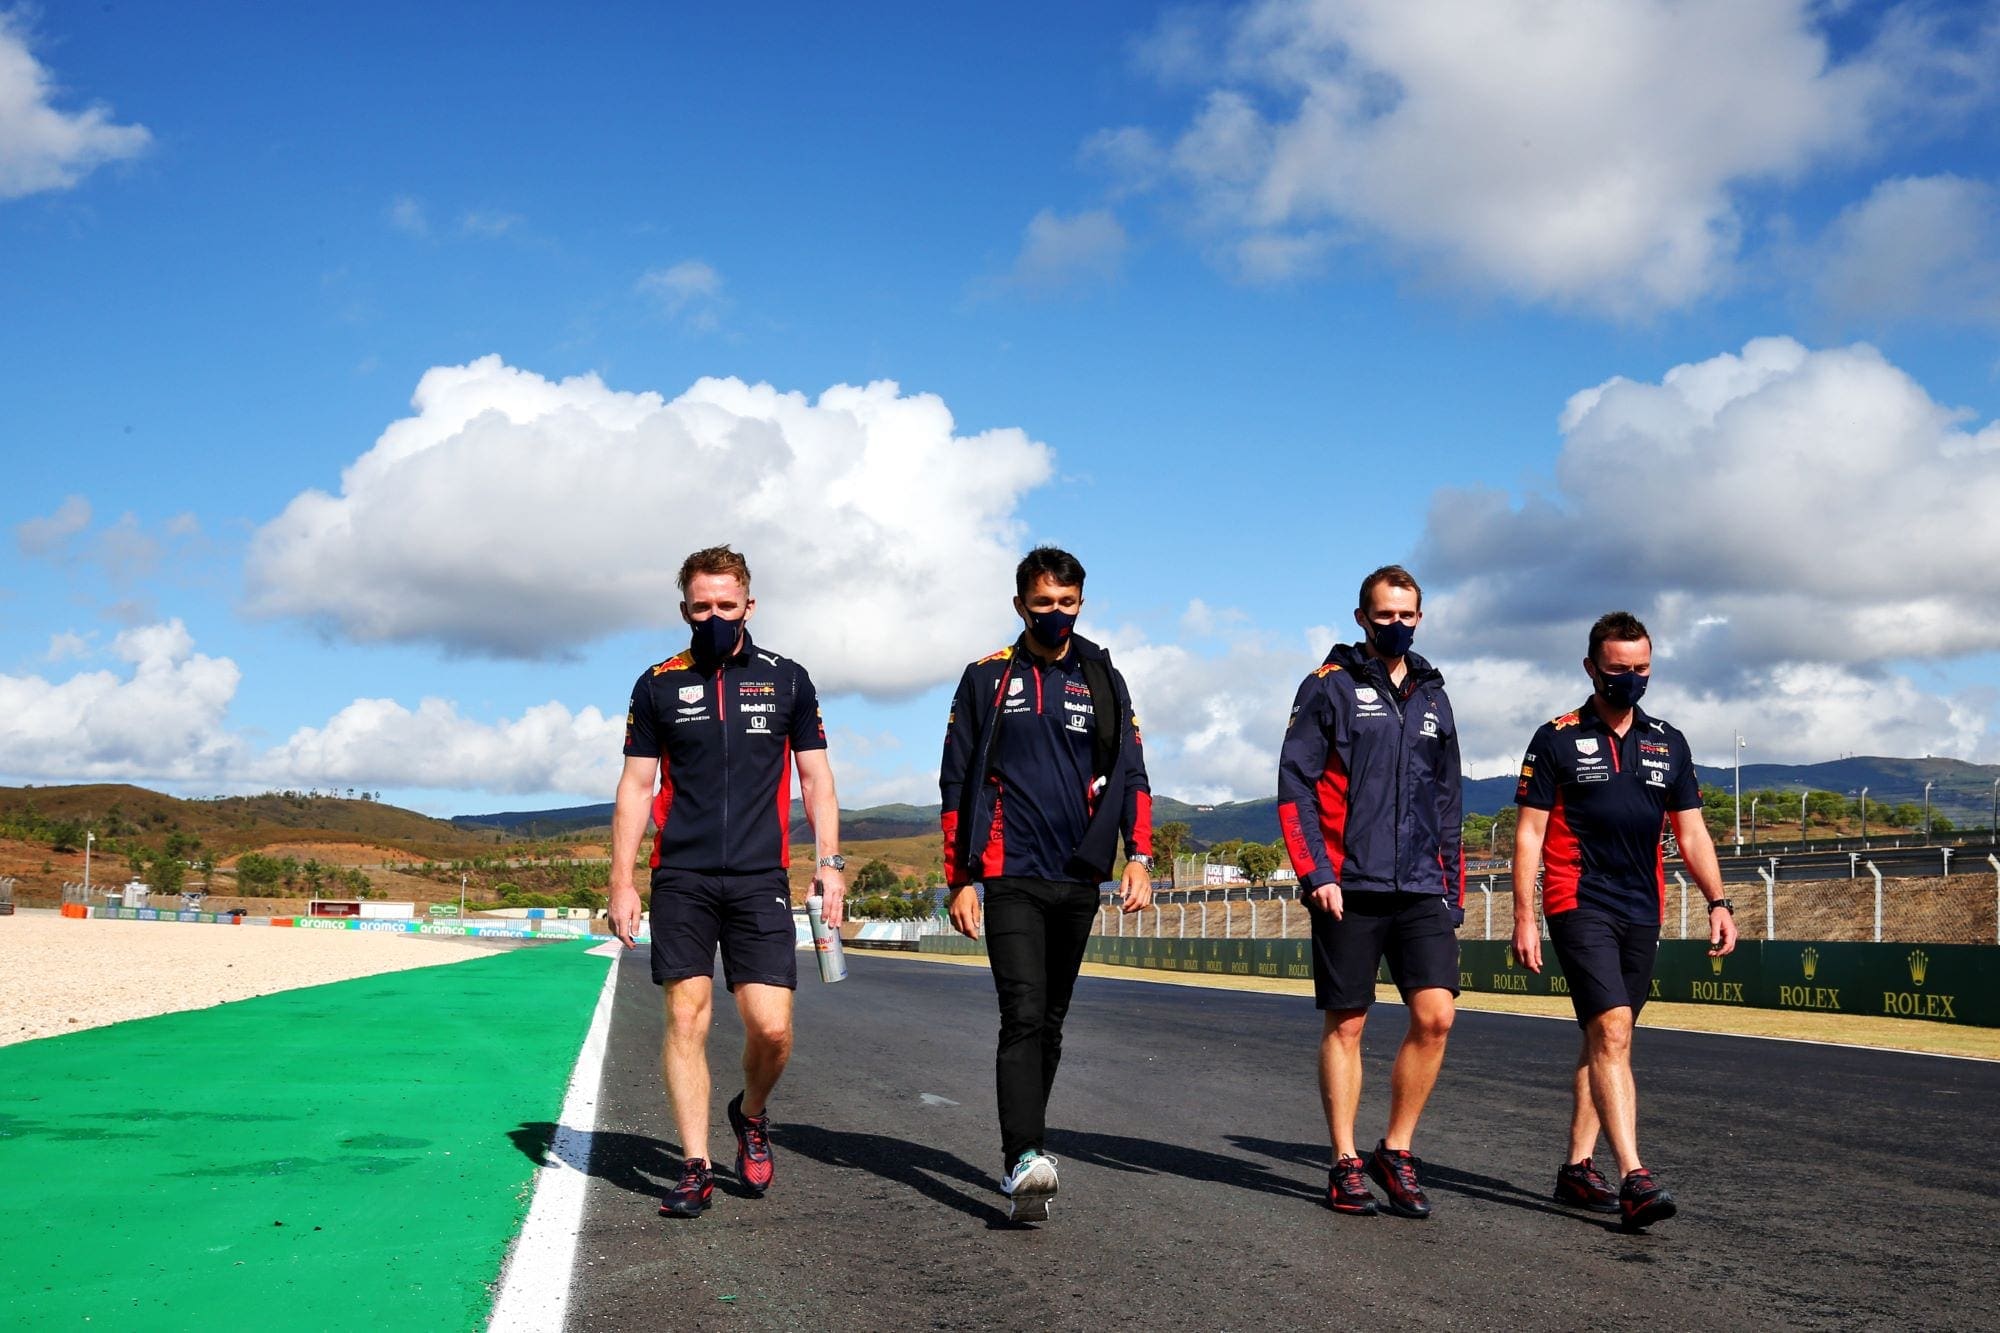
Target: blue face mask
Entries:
(1051, 628)
(1393, 639)
(1621, 690)
(714, 638)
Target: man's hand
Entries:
(1721, 933)
(964, 909)
(624, 912)
(1327, 899)
(1528, 945)
(833, 896)
(1137, 888)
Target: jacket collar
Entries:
(1354, 658)
(738, 658)
(1079, 648)
(1590, 718)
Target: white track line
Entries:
(534, 1286)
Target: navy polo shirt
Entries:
(1608, 797)
(724, 734)
(1042, 763)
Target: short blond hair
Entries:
(714, 560)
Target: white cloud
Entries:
(1781, 505)
(162, 721)
(44, 536)
(407, 214)
(42, 148)
(1918, 247)
(690, 291)
(380, 742)
(489, 224)
(1060, 253)
(518, 516)
(1586, 155)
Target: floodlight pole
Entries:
(1740, 743)
(89, 838)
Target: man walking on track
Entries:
(1042, 775)
(1370, 807)
(710, 742)
(1597, 787)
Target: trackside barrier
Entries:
(1946, 983)
(499, 930)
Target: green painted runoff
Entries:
(348, 1156)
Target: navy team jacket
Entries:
(973, 808)
(1368, 780)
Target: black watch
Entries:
(1725, 904)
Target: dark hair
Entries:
(1620, 625)
(1393, 575)
(714, 560)
(1047, 562)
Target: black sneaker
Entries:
(1395, 1170)
(691, 1194)
(753, 1146)
(1347, 1189)
(1643, 1201)
(1582, 1185)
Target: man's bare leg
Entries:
(1340, 1076)
(1417, 1063)
(684, 1060)
(1583, 1123)
(1608, 1047)
(767, 1040)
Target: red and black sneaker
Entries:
(1643, 1201)
(1582, 1185)
(1347, 1189)
(1395, 1170)
(753, 1146)
(691, 1194)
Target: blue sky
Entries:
(370, 371)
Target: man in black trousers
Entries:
(1042, 775)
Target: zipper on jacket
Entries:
(722, 718)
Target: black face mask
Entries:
(1621, 690)
(1051, 628)
(714, 639)
(1393, 639)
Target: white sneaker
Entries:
(1031, 1185)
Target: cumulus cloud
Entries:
(1791, 524)
(47, 535)
(379, 741)
(1586, 155)
(1060, 253)
(41, 147)
(1918, 247)
(163, 718)
(517, 516)
(690, 292)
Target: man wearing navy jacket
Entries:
(1369, 803)
(1042, 774)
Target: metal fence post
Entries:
(1681, 880)
(1488, 893)
(1770, 904)
(1228, 918)
(1994, 861)
(1252, 902)
(1878, 900)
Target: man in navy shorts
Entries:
(1370, 806)
(710, 743)
(1597, 787)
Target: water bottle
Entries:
(826, 940)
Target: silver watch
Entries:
(1141, 860)
(836, 861)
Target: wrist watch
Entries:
(1141, 860)
(1725, 904)
(836, 861)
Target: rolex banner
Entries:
(1946, 983)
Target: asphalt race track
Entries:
(1821, 1187)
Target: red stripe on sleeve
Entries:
(1332, 793)
(1142, 823)
(663, 801)
(785, 808)
(1295, 840)
(1562, 861)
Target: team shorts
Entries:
(750, 916)
(1412, 930)
(1607, 960)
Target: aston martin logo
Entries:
(1920, 963)
(1809, 960)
